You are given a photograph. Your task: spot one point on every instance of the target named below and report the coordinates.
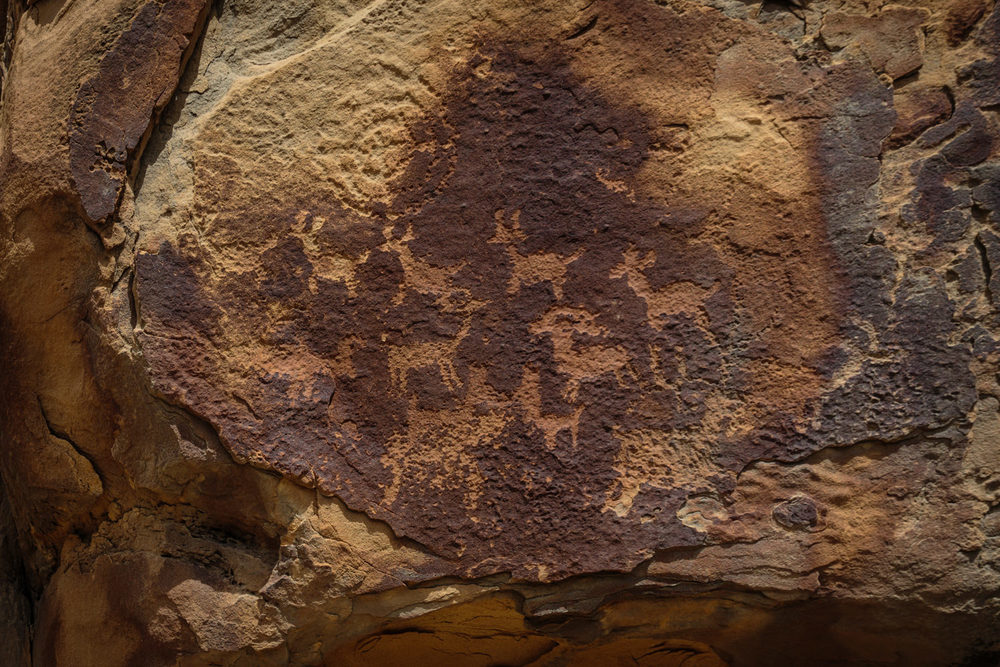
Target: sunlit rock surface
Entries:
(500, 333)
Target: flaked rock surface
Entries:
(470, 332)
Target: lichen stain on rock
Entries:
(513, 360)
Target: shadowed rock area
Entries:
(399, 332)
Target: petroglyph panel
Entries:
(520, 293)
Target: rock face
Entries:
(461, 332)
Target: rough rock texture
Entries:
(429, 332)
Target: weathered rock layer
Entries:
(440, 332)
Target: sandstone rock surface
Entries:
(395, 332)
